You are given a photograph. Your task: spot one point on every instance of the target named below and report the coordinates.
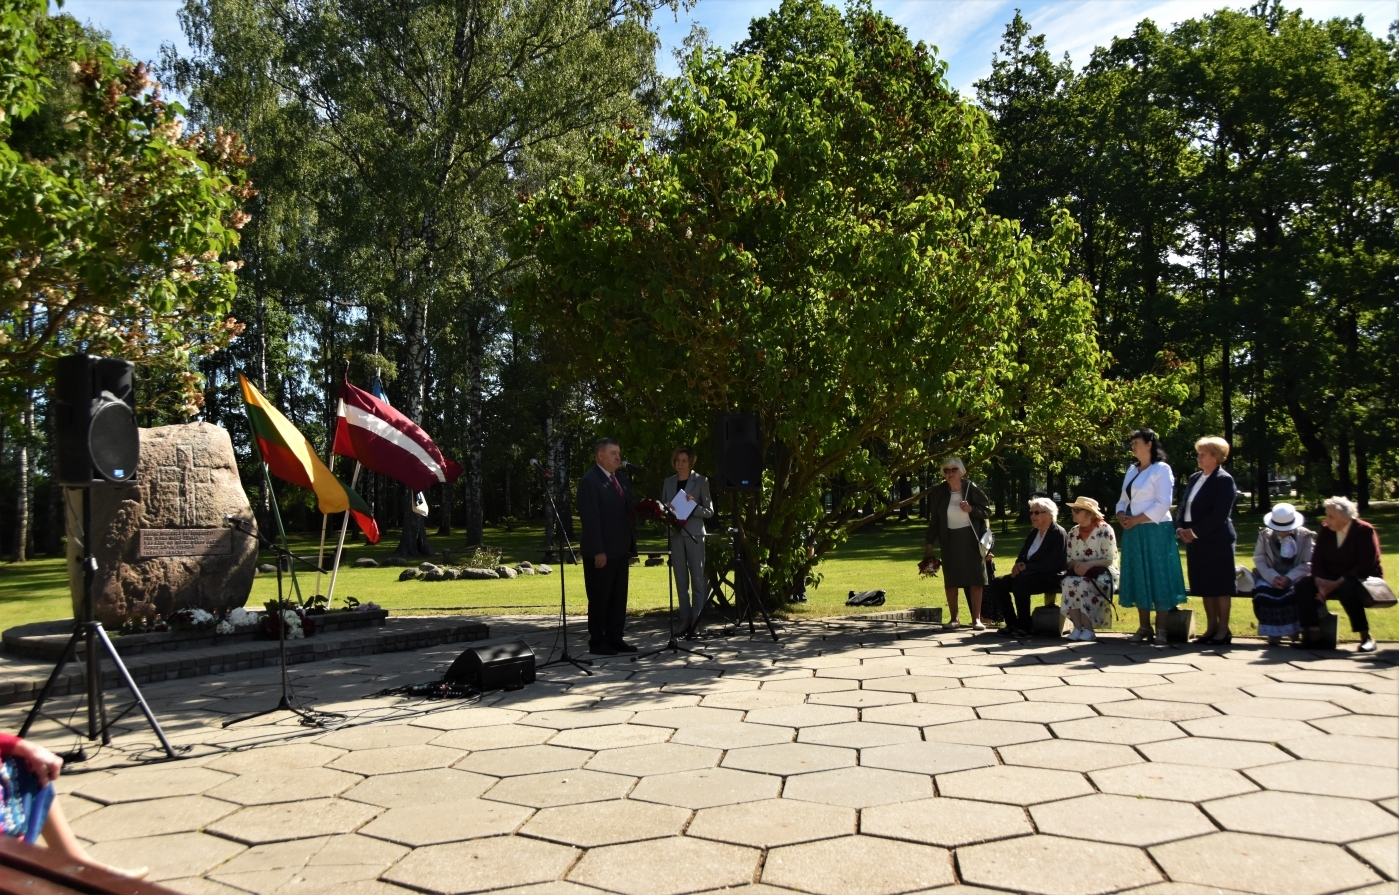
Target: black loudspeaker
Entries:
(507, 665)
(97, 437)
(738, 449)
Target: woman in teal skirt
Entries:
(1150, 561)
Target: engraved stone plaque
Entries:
(186, 542)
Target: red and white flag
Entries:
(386, 441)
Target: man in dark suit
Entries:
(1038, 567)
(609, 542)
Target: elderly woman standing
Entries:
(1204, 523)
(1092, 571)
(1347, 551)
(1281, 558)
(957, 514)
(1151, 576)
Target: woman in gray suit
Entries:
(688, 488)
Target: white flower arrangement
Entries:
(241, 618)
(224, 627)
(293, 622)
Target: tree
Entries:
(809, 241)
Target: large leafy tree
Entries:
(808, 241)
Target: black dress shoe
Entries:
(601, 649)
(622, 646)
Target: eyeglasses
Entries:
(1038, 512)
(950, 469)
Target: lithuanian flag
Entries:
(290, 457)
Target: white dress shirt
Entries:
(1152, 490)
(956, 516)
(1190, 498)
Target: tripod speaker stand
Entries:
(746, 596)
(91, 633)
(564, 658)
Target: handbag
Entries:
(24, 804)
(1377, 594)
(1243, 580)
(986, 543)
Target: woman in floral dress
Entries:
(1091, 572)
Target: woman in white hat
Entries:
(1092, 572)
(1282, 557)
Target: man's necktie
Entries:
(616, 486)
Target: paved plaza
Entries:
(852, 758)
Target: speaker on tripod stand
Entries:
(98, 445)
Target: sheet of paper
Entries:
(682, 505)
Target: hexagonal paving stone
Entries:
(612, 736)
(858, 787)
(607, 823)
(1242, 727)
(1013, 785)
(565, 719)
(396, 759)
(1184, 693)
(927, 758)
(1023, 682)
(1294, 709)
(969, 697)
(861, 672)
(1125, 731)
(175, 856)
(666, 866)
(706, 788)
(858, 865)
(1262, 864)
(1381, 853)
(461, 719)
(346, 865)
(1367, 704)
(378, 736)
(1069, 755)
(497, 736)
(1157, 710)
(1211, 753)
(733, 736)
(659, 758)
(773, 822)
(295, 820)
(1328, 778)
(524, 760)
(1360, 725)
(744, 700)
(1036, 712)
(919, 714)
(1080, 695)
(1050, 865)
(294, 755)
(447, 822)
(803, 715)
(1302, 816)
(265, 868)
(1102, 817)
(860, 699)
(789, 758)
(1176, 782)
(482, 865)
(912, 683)
(987, 733)
(859, 734)
(266, 787)
(1320, 692)
(945, 821)
(138, 784)
(560, 788)
(155, 817)
(1378, 751)
(693, 716)
(429, 787)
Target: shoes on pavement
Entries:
(622, 646)
(1367, 645)
(1161, 638)
(978, 626)
(1142, 636)
(1086, 635)
(1073, 635)
(952, 625)
(601, 649)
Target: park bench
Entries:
(30, 870)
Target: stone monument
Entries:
(163, 542)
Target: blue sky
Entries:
(966, 32)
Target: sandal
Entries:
(952, 625)
(1142, 636)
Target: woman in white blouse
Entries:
(1150, 561)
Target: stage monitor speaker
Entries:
(738, 450)
(504, 665)
(97, 437)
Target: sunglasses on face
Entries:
(949, 470)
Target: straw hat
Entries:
(1284, 517)
(1086, 503)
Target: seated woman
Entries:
(1346, 552)
(1282, 557)
(1092, 570)
(1036, 570)
(27, 772)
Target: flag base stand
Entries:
(564, 658)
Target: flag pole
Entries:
(325, 519)
(340, 545)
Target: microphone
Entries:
(539, 468)
(627, 464)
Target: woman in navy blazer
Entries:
(1204, 523)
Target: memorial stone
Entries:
(163, 542)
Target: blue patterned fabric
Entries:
(24, 804)
(1150, 563)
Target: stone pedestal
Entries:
(163, 542)
(1180, 625)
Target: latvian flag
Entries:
(385, 441)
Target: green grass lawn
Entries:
(883, 556)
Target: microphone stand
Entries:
(284, 704)
(564, 658)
